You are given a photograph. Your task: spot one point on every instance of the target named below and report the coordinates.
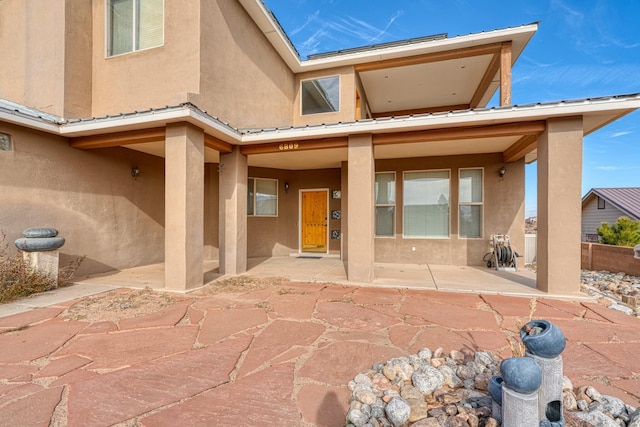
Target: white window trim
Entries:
(449, 195)
(339, 94)
(394, 205)
(254, 197)
(471, 204)
(107, 32)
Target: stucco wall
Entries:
(163, 75)
(503, 212)
(89, 196)
(243, 80)
(46, 61)
(616, 259)
(347, 111)
(278, 236)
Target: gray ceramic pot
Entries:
(521, 374)
(495, 389)
(542, 338)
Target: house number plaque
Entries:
(287, 147)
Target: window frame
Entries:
(604, 203)
(481, 204)
(107, 32)
(393, 205)
(404, 236)
(255, 183)
(337, 76)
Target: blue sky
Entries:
(583, 48)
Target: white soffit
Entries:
(444, 148)
(300, 160)
(451, 82)
(158, 149)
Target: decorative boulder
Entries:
(39, 244)
(37, 232)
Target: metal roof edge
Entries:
(18, 114)
(447, 119)
(277, 36)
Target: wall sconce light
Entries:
(502, 172)
(135, 171)
(286, 187)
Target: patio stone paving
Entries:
(277, 355)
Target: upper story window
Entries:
(601, 203)
(134, 25)
(321, 95)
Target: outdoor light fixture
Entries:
(501, 172)
(135, 171)
(286, 187)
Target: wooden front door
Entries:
(314, 221)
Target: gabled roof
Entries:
(627, 200)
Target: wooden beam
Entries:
(486, 81)
(521, 148)
(287, 146)
(494, 131)
(488, 49)
(217, 144)
(421, 111)
(118, 139)
(505, 74)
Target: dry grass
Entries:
(517, 347)
(116, 306)
(19, 280)
(242, 284)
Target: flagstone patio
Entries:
(280, 353)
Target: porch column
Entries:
(184, 206)
(233, 212)
(360, 206)
(559, 206)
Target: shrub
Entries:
(625, 232)
(19, 280)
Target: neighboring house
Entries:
(382, 154)
(607, 205)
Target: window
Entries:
(321, 95)
(426, 204)
(601, 203)
(262, 197)
(385, 193)
(134, 25)
(470, 203)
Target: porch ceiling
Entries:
(333, 158)
(156, 148)
(453, 83)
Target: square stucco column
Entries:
(360, 206)
(559, 206)
(233, 212)
(184, 206)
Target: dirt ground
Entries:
(127, 303)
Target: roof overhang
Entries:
(451, 133)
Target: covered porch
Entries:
(317, 269)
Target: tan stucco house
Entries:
(152, 131)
